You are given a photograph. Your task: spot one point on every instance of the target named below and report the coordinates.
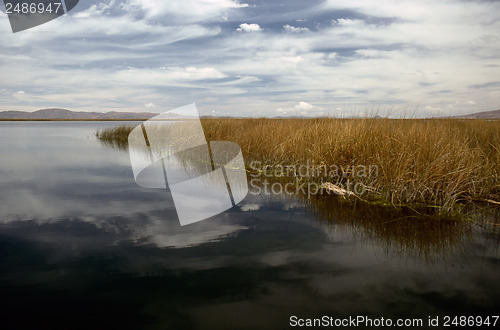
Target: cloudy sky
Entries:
(258, 57)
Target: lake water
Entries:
(83, 246)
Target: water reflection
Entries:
(399, 230)
(204, 178)
(79, 240)
(115, 144)
(403, 232)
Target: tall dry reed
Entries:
(433, 161)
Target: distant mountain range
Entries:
(495, 114)
(64, 114)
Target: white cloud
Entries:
(245, 27)
(290, 28)
(202, 73)
(302, 108)
(21, 96)
(95, 10)
(347, 22)
(389, 8)
(129, 54)
(91, 30)
(149, 105)
(167, 75)
(185, 10)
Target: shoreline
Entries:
(4, 120)
(265, 118)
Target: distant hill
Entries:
(495, 114)
(64, 114)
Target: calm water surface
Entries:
(82, 246)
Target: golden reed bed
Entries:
(440, 162)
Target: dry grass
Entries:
(437, 161)
(115, 137)
(432, 161)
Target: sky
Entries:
(258, 58)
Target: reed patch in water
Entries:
(435, 162)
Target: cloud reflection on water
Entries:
(72, 220)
